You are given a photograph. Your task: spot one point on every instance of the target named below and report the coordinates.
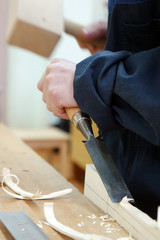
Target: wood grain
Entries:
(139, 224)
(35, 174)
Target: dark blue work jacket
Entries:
(120, 89)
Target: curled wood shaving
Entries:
(21, 194)
(138, 213)
(52, 221)
(126, 200)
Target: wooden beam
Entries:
(139, 224)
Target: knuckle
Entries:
(49, 79)
(49, 69)
(56, 60)
(52, 91)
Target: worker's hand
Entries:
(56, 85)
(96, 30)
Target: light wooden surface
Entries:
(35, 174)
(139, 224)
(45, 139)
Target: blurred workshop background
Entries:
(21, 104)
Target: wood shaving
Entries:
(93, 216)
(126, 238)
(94, 222)
(126, 200)
(102, 223)
(52, 221)
(138, 213)
(105, 218)
(81, 224)
(21, 194)
(39, 224)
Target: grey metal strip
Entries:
(21, 226)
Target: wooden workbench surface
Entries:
(34, 173)
(48, 133)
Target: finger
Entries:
(95, 30)
(95, 50)
(60, 112)
(40, 83)
(45, 97)
(82, 44)
(91, 33)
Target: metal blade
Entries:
(107, 170)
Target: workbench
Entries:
(44, 141)
(36, 174)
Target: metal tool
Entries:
(104, 164)
(21, 226)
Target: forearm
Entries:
(136, 98)
(122, 91)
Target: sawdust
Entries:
(125, 238)
(106, 218)
(39, 224)
(81, 224)
(93, 216)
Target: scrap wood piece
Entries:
(52, 221)
(133, 220)
(141, 216)
(21, 194)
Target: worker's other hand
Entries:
(95, 31)
(56, 85)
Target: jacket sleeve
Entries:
(121, 90)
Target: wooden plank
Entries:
(139, 224)
(73, 210)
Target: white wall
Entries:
(24, 102)
(3, 58)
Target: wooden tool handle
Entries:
(75, 30)
(71, 112)
(81, 121)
